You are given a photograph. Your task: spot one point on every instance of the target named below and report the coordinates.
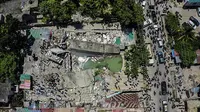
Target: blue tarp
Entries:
(195, 90)
(173, 53)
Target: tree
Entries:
(7, 66)
(136, 57)
(187, 36)
(128, 12)
(94, 9)
(172, 23)
(10, 38)
(11, 43)
(187, 53)
(17, 99)
(53, 10)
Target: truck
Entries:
(151, 58)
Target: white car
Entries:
(192, 24)
(147, 22)
(143, 4)
(160, 42)
(165, 108)
(156, 27)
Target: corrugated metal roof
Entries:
(25, 77)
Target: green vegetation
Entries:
(127, 12)
(114, 64)
(186, 43)
(7, 66)
(97, 8)
(98, 72)
(172, 24)
(11, 43)
(136, 58)
(17, 99)
(186, 51)
(54, 11)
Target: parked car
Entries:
(147, 22)
(194, 20)
(156, 27)
(163, 88)
(143, 4)
(192, 24)
(198, 11)
(160, 42)
(151, 7)
(160, 57)
(165, 107)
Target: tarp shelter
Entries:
(173, 53)
(131, 36)
(118, 41)
(25, 81)
(195, 90)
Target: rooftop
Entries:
(25, 81)
(93, 47)
(5, 89)
(128, 100)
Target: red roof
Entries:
(79, 110)
(128, 100)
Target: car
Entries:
(160, 57)
(165, 107)
(198, 11)
(151, 7)
(194, 20)
(156, 27)
(192, 24)
(163, 88)
(160, 42)
(147, 22)
(143, 4)
(153, 13)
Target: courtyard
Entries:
(114, 64)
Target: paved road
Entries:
(161, 75)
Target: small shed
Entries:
(25, 81)
(176, 56)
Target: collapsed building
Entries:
(57, 76)
(82, 46)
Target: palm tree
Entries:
(187, 36)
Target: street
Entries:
(159, 72)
